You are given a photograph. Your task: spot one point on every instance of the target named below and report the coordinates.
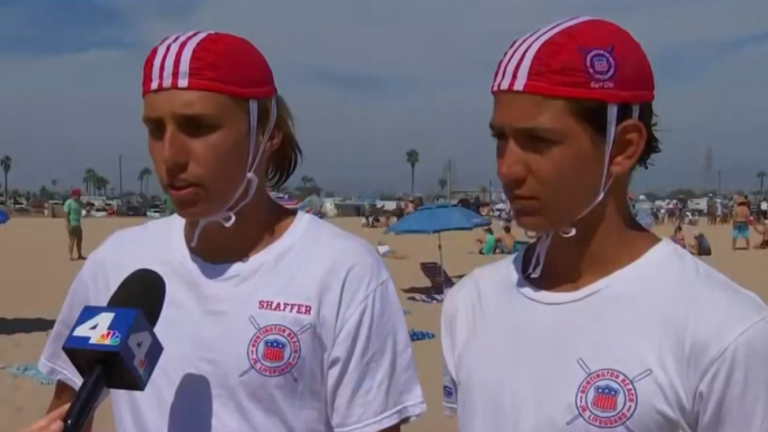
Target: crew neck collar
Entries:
(635, 268)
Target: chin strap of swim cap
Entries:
(227, 217)
(544, 239)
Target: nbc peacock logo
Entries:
(109, 337)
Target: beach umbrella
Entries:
(436, 219)
(285, 200)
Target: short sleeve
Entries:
(450, 386)
(66, 207)
(53, 362)
(372, 379)
(734, 392)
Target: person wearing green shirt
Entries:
(73, 209)
(169, 210)
(487, 245)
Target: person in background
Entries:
(643, 211)
(487, 244)
(700, 245)
(505, 242)
(168, 204)
(711, 210)
(678, 237)
(741, 215)
(599, 325)
(764, 209)
(719, 212)
(761, 228)
(73, 215)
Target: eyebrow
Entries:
(525, 129)
(181, 116)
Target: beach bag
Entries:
(702, 245)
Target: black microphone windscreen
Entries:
(144, 289)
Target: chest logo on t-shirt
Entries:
(274, 350)
(607, 398)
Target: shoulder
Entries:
(707, 289)
(341, 259)
(713, 309)
(337, 247)
(479, 284)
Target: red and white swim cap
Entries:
(578, 58)
(209, 61)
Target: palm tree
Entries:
(412, 157)
(88, 179)
(307, 181)
(442, 183)
(144, 175)
(100, 184)
(761, 175)
(6, 162)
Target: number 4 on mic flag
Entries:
(118, 337)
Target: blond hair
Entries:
(287, 156)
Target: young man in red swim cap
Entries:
(263, 330)
(575, 333)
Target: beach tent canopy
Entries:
(313, 202)
(285, 200)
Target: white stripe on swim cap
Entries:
(170, 59)
(186, 59)
(505, 61)
(525, 66)
(509, 72)
(158, 60)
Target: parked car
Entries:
(99, 211)
(133, 211)
(155, 213)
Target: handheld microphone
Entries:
(115, 346)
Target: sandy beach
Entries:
(35, 274)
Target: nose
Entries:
(175, 152)
(510, 164)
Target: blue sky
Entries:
(367, 80)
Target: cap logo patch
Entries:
(601, 66)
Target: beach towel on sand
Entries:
(432, 298)
(29, 370)
(418, 335)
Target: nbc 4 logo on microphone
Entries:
(109, 337)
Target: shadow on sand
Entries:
(12, 326)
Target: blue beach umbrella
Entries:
(436, 219)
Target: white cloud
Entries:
(418, 76)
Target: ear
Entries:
(274, 141)
(628, 145)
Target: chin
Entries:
(533, 223)
(194, 213)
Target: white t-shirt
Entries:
(344, 364)
(764, 205)
(665, 344)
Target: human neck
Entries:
(259, 223)
(607, 240)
